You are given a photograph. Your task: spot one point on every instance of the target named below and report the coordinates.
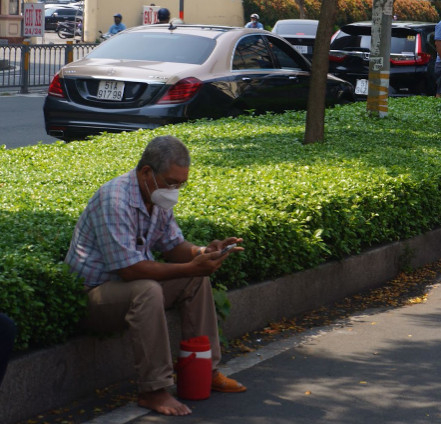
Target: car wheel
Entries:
(235, 111)
(345, 101)
(428, 87)
(67, 138)
(61, 33)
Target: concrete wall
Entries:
(11, 25)
(50, 378)
(99, 13)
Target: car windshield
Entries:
(156, 47)
(295, 29)
(68, 12)
(49, 11)
(400, 43)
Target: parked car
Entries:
(55, 2)
(412, 57)
(154, 75)
(54, 15)
(299, 32)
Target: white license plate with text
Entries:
(301, 49)
(362, 87)
(111, 90)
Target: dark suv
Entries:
(412, 57)
(53, 15)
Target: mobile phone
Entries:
(227, 248)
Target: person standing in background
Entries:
(163, 16)
(118, 26)
(254, 23)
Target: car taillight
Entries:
(334, 36)
(420, 58)
(403, 60)
(182, 91)
(55, 89)
(335, 56)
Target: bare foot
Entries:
(163, 402)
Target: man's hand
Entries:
(182, 262)
(200, 266)
(218, 245)
(207, 263)
(211, 260)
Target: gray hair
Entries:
(163, 152)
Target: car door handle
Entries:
(293, 77)
(246, 79)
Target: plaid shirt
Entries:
(116, 231)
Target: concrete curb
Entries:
(254, 306)
(52, 377)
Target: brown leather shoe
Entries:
(221, 383)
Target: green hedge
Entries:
(296, 206)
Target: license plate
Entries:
(361, 87)
(111, 90)
(301, 49)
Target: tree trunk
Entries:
(315, 115)
(379, 60)
(301, 4)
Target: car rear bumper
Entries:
(402, 82)
(65, 120)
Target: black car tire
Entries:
(61, 33)
(427, 87)
(235, 112)
(345, 100)
(69, 138)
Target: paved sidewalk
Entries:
(382, 366)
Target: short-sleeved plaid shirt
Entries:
(116, 231)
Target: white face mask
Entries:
(165, 198)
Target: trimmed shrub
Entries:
(409, 10)
(437, 5)
(352, 11)
(296, 206)
(348, 10)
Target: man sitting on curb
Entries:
(111, 250)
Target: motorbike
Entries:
(69, 29)
(104, 36)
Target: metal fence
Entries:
(24, 66)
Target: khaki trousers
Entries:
(140, 305)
